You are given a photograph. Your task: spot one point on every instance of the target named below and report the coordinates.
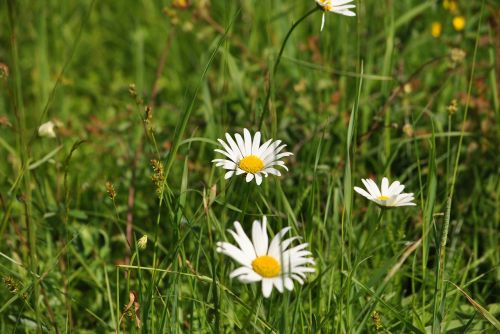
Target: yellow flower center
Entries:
(266, 266)
(251, 164)
(382, 198)
(326, 5)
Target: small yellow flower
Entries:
(451, 6)
(436, 29)
(459, 23)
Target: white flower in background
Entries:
(386, 196)
(47, 130)
(246, 155)
(335, 6)
(274, 264)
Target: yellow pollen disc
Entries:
(251, 164)
(382, 198)
(266, 266)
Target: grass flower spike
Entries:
(386, 196)
(246, 155)
(335, 6)
(272, 263)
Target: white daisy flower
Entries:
(387, 196)
(246, 155)
(272, 263)
(335, 6)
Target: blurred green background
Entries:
(117, 77)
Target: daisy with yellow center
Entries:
(335, 6)
(247, 156)
(388, 195)
(273, 264)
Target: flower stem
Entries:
(277, 62)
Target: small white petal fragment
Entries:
(47, 130)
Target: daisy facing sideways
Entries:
(388, 195)
(247, 156)
(272, 263)
(335, 6)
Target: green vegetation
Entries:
(140, 91)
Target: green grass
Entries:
(367, 97)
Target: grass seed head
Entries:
(377, 321)
(158, 177)
(452, 107)
(110, 189)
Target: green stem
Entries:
(277, 62)
(440, 293)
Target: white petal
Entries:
(241, 144)
(235, 253)
(227, 154)
(278, 283)
(259, 237)
(274, 247)
(384, 186)
(228, 174)
(243, 241)
(256, 142)
(267, 287)
(405, 204)
(345, 12)
(249, 177)
(234, 147)
(373, 188)
(258, 179)
(362, 192)
(240, 271)
(226, 147)
(288, 283)
(297, 278)
(248, 141)
(322, 21)
(251, 277)
(393, 188)
(339, 2)
(263, 148)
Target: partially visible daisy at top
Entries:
(388, 195)
(247, 156)
(272, 263)
(335, 6)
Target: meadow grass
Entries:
(141, 91)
